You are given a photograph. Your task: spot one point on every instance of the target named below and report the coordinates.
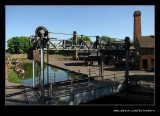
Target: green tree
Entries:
(132, 43)
(18, 44)
(85, 38)
(106, 39)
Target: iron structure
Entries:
(42, 41)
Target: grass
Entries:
(11, 59)
(13, 77)
(20, 59)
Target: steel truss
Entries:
(41, 40)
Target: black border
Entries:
(78, 109)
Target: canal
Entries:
(55, 75)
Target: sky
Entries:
(115, 21)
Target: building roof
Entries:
(146, 41)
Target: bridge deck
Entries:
(67, 89)
(60, 90)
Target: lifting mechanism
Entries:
(42, 40)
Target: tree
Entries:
(85, 38)
(106, 39)
(18, 44)
(132, 43)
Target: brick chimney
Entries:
(137, 25)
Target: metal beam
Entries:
(127, 46)
(127, 66)
(42, 71)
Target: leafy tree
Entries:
(132, 43)
(18, 44)
(85, 38)
(106, 39)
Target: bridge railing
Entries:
(88, 83)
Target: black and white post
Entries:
(127, 44)
(102, 63)
(42, 71)
(42, 33)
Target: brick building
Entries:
(144, 46)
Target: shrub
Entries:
(11, 66)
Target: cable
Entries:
(72, 34)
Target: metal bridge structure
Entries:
(42, 41)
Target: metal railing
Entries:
(84, 84)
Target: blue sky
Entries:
(114, 21)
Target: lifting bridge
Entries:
(42, 41)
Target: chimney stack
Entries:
(137, 25)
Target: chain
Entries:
(37, 71)
(47, 63)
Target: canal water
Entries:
(55, 75)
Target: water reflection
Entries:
(55, 75)
(21, 77)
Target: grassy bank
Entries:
(21, 59)
(13, 76)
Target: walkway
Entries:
(75, 66)
(15, 94)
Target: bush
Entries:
(11, 66)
